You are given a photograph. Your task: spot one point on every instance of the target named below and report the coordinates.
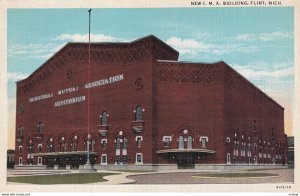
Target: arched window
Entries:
(139, 113)
(74, 143)
(190, 142)
(62, 144)
(103, 117)
(181, 142)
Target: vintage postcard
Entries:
(138, 96)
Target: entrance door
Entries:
(186, 162)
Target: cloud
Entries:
(280, 73)
(45, 51)
(193, 47)
(276, 76)
(85, 38)
(275, 36)
(245, 37)
(16, 76)
(188, 46)
(264, 37)
(33, 51)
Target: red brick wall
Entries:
(194, 102)
(244, 104)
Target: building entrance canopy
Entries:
(56, 154)
(182, 151)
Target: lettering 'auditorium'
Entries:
(147, 111)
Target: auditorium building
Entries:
(135, 106)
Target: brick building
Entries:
(144, 109)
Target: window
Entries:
(243, 149)
(30, 147)
(227, 142)
(103, 117)
(40, 127)
(255, 147)
(20, 160)
(249, 150)
(181, 142)
(235, 148)
(40, 147)
(118, 143)
(74, 143)
(50, 145)
(104, 159)
(228, 158)
(118, 159)
(139, 113)
(139, 158)
(190, 142)
(20, 149)
(104, 143)
(203, 142)
(264, 155)
(124, 161)
(125, 143)
(20, 130)
(138, 140)
(40, 161)
(167, 141)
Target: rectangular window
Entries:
(203, 142)
(118, 159)
(139, 158)
(125, 144)
(138, 141)
(20, 149)
(124, 157)
(118, 144)
(39, 160)
(104, 159)
(167, 142)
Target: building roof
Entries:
(148, 46)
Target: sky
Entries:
(258, 42)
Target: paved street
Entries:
(174, 177)
(284, 176)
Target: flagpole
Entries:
(88, 167)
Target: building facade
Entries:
(138, 106)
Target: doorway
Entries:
(186, 162)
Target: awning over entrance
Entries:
(195, 150)
(63, 153)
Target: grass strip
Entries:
(78, 178)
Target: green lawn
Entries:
(236, 175)
(79, 178)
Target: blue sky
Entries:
(257, 42)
